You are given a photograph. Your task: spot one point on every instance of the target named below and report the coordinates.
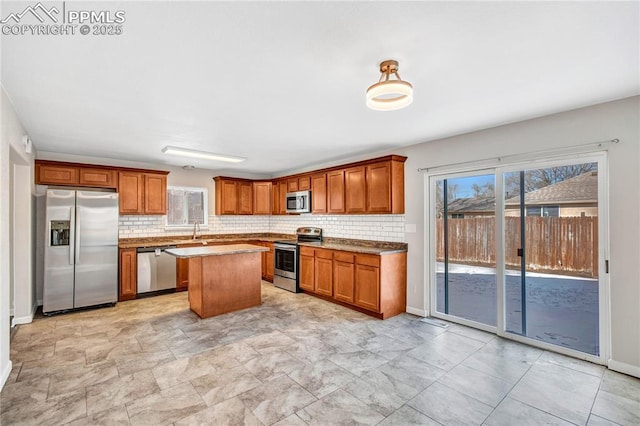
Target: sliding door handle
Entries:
(520, 252)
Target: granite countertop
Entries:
(381, 249)
(343, 244)
(204, 240)
(215, 250)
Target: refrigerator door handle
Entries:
(77, 239)
(72, 232)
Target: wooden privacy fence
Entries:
(566, 245)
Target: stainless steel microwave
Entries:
(299, 202)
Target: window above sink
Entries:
(186, 206)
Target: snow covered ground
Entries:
(560, 309)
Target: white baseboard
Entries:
(632, 370)
(416, 311)
(5, 374)
(21, 320)
(26, 319)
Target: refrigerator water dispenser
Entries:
(60, 230)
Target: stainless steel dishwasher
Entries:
(156, 269)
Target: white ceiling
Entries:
(284, 83)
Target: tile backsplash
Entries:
(360, 227)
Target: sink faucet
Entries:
(196, 230)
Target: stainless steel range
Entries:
(285, 273)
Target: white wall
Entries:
(14, 159)
(619, 119)
(5, 364)
(22, 241)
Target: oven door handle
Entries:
(284, 247)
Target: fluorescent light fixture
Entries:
(192, 153)
(386, 94)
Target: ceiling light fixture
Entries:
(387, 95)
(201, 154)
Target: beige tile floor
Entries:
(295, 360)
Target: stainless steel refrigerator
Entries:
(81, 249)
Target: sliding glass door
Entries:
(465, 248)
(518, 251)
(551, 255)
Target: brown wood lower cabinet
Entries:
(367, 286)
(182, 269)
(128, 287)
(375, 284)
(269, 260)
(307, 278)
(323, 264)
(182, 274)
(344, 277)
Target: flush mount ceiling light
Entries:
(201, 154)
(387, 95)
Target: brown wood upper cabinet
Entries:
(75, 174)
(233, 196)
(245, 197)
(385, 187)
(226, 196)
(56, 174)
(355, 190)
(373, 186)
(335, 191)
(283, 197)
(155, 194)
(142, 193)
(101, 178)
(262, 198)
(319, 193)
(370, 186)
(300, 183)
(131, 189)
(275, 198)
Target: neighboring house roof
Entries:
(580, 189)
(472, 205)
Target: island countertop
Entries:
(214, 250)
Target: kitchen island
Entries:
(222, 278)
